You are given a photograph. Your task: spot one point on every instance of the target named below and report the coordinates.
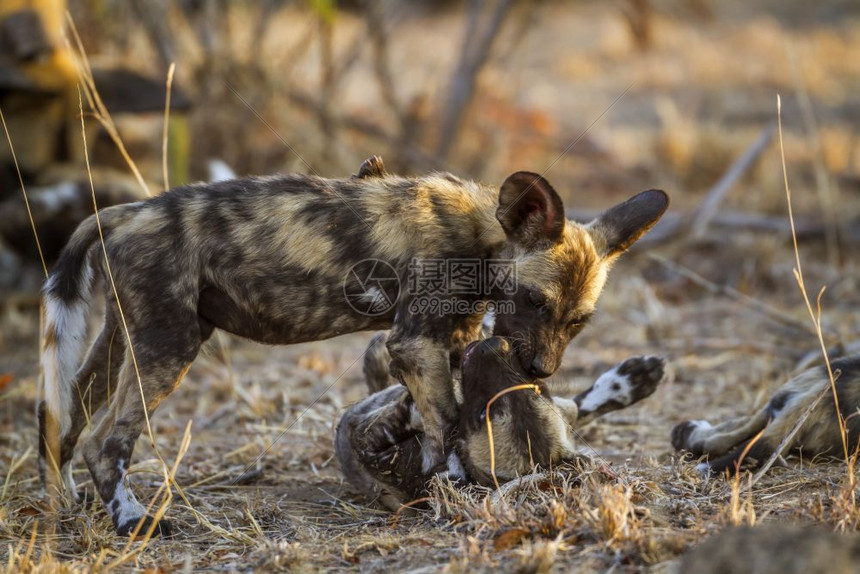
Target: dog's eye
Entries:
(537, 299)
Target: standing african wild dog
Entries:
(378, 440)
(819, 436)
(266, 257)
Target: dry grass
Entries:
(634, 506)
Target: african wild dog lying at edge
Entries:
(820, 435)
(378, 440)
(266, 257)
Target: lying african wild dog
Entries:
(378, 440)
(266, 257)
(724, 444)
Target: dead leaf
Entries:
(509, 538)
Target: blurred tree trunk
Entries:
(477, 44)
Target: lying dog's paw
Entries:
(455, 471)
(643, 374)
(379, 435)
(683, 438)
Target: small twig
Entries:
(521, 482)
(166, 126)
(408, 506)
(798, 273)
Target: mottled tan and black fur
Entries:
(378, 440)
(820, 435)
(267, 258)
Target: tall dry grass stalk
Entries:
(94, 101)
(166, 130)
(815, 316)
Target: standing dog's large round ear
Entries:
(619, 227)
(530, 211)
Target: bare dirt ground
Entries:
(259, 486)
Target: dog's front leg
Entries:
(421, 362)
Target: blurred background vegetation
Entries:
(652, 93)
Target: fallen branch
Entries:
(728, 291)
(708, 208)
(502, 491)
(477, 42)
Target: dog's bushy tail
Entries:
(66, 302)
(66, 298)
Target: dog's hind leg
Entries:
(759, 451)
(92, 388)
(163, 356)
(700, 437)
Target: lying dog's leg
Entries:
(376, 361)
(779, 416)
(378, 448)
(628, 383)
(758, 453)
(699, 437)
(421, 363)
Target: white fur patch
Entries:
(611, 386)
(219, 171)
(371, 295)
(455, 467)
(127, 507)
(701, 430)
(415, 420)
(457, 385)
(488, 323)
(561, 432)
(57, 197)
(61, 360)
(69, 480)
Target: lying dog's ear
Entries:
(619, 227)
(530, 211)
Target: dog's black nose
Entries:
(540, 367)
